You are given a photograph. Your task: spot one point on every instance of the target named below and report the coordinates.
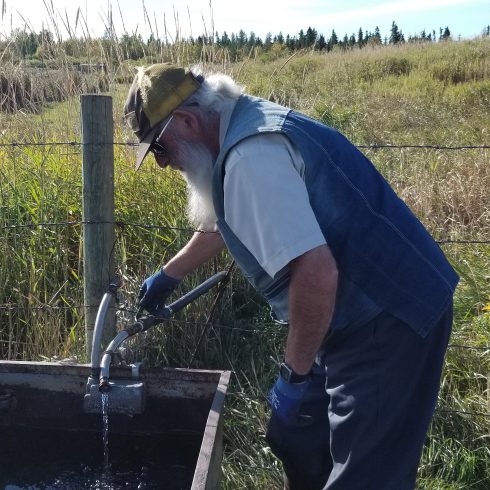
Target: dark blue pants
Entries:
(372, 405)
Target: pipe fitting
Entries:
(104, 386)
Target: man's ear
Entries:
(187, 123)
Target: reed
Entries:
(413, 94)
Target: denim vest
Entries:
(385, 257)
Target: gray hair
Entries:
(215, 91)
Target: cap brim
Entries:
(144, 147)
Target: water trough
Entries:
(41, 404)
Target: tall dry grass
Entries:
(419, 94)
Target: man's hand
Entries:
(286, 400)
(155, 290)
(303, 446)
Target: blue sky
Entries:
(465, 18)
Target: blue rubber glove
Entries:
(302, 445)
(286, 400)
(155, 290)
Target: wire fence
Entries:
(371, 146)
(123, 224)
(485, 349)
(47, 307)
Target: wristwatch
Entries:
(290, 376)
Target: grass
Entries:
(435, 94)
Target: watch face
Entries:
(290, 376)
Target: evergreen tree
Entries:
(268, 41)
(360, 38)
(310, 38)
(333, 41)
(446, 34)
(321, 43)
(225, 40)
(301, 39)
(279, 38)
(242, 38)
(396, 35)
(377, 36)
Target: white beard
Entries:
(198, 163)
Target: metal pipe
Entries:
(107, 357)
(195, 293)
(144, 323)
(98, 331)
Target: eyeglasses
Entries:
(157, 148)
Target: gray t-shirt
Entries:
(266, 201)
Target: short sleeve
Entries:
(266, 201)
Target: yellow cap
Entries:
(157, 90)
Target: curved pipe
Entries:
(144, 323)
(98, 331)
(107, 358)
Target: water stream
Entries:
(35, 459)
(43, 459)
(105, 429)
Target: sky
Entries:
(465, 18)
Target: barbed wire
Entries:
(123, 224)
(471, 347)
(47, 307)
(463, 242)
(120, 224)
(18, 144)
(371, 146)
(463, 412)
(263, 398)
(376, 146)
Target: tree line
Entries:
(311, 39)
(29, 44)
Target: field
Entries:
(415, 97)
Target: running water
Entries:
(105, 428)
(75, 460)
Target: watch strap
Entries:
(290, 376)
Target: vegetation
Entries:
(424, 93)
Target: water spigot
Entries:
(104, 386)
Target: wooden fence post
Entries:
(488, 392)
(98, 209)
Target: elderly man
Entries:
(365, 290)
